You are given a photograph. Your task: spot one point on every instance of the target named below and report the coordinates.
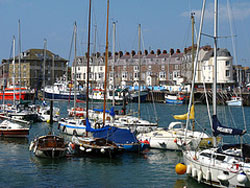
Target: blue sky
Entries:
(165, 24)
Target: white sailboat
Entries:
(73, 125)
(221, 166)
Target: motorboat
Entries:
(235, 101)
(12, 129)
(174, 99)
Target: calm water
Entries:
(19, 168)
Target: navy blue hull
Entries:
(65, 97)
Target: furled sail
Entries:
(219, 129)
(184, 116)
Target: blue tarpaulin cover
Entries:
(117, 135)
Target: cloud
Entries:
(238, 11)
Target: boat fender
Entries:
(58, 127)
(31, 146)
(208, 175)
(180, 168)
(88, 150)
(189, 169)
(72, 146)
(194, 172)
(175, 140)
(242, 178)
(82, 148)
(35, 148)
(64, 127)
(102, 150)
(199, 176)
(222, 177)
(74, 133)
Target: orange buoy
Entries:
(175, 140)
(180, 168)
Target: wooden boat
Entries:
(100, 147)
(14, 130)
(49, 146)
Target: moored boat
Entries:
(49, 146)
(14, 130)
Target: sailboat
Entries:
(171, 138)
(8, 128)
(73, 125)
(220, 166)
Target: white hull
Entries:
(171, 139)
(218, 173)
(71, 129)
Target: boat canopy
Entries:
(111, 111)
(185, 116)
(219, 129)
(114, 134)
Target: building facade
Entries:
(34, 73)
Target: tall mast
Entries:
(75, 71)
(215, 56)
(19, 57)
(215, 62)
(44, 66)
(88, 52)
(139, 74)
(193, 56)
(113, 65)
(106, 63)
(14, 69)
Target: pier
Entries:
(199, 97)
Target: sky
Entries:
(165, 24)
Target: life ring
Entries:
(234, 168)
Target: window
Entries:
(149, 67)
(227, 73)
(163, 67)
(24, 67)
(79, 68)
(176, 67)
(136, 68)
(136, 75)
(124, 75)
(227, 63)
(162, 75)
(100, 68)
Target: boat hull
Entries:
(71, 129)
(14, 133)
(64, 96)
(211, 174)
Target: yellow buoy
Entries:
(180, 168)
(48, 121)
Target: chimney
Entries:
(120, 53)
(164, 52)
(171, 51)
(158, 52)
(178, 51)
(132, 53)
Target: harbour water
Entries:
(156, 168)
